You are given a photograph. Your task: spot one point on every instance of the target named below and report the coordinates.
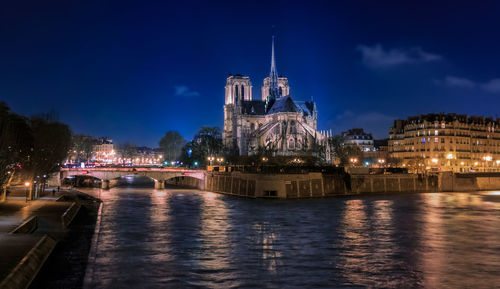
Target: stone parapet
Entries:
(70, 214)
(26, 227)
(27, 269)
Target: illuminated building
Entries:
(104, 150)
(275, 123)
(147, 156)
(446, 142)
(357, 136)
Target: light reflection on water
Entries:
(180, 238)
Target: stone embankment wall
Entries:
(398, 183)
(316, 184)
(469, 182)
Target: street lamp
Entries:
(27, 185)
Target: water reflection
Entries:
(354, 242)
(215, 265)
(181, 238)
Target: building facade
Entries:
(446, 142)
(357, 136)
(276, 123)
(104, 150)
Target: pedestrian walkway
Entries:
(13, 247)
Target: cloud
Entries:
(492, 86)
(372, 122)
(454, 81)
(376, 56)
(182, 90)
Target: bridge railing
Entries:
(111, 169)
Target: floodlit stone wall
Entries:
(310, 185)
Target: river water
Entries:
(182, 239)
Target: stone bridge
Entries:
(107, 175)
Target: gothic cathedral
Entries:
(276, 123)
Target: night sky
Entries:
(133, 70)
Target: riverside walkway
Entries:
(23, 254)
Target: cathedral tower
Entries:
(238, 89)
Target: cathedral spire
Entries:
(273, 75)
(274, 91)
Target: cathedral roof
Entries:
(254, 107)
(287, 104)
(307, 107)
(282, 104)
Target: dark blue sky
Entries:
(133, 70)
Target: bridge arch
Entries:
(185, 182)
(159, 175)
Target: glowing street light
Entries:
(27, 185)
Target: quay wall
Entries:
(467, 182)
(315, 184)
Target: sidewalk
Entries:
(13, 247)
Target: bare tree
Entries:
(342, 152)
(171, 144)
(127, 150)
(16, 141)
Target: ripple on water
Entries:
(174, 239)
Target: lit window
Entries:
(436, 132)
(436, 139)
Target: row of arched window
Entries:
(292, 143)
(238, 89)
